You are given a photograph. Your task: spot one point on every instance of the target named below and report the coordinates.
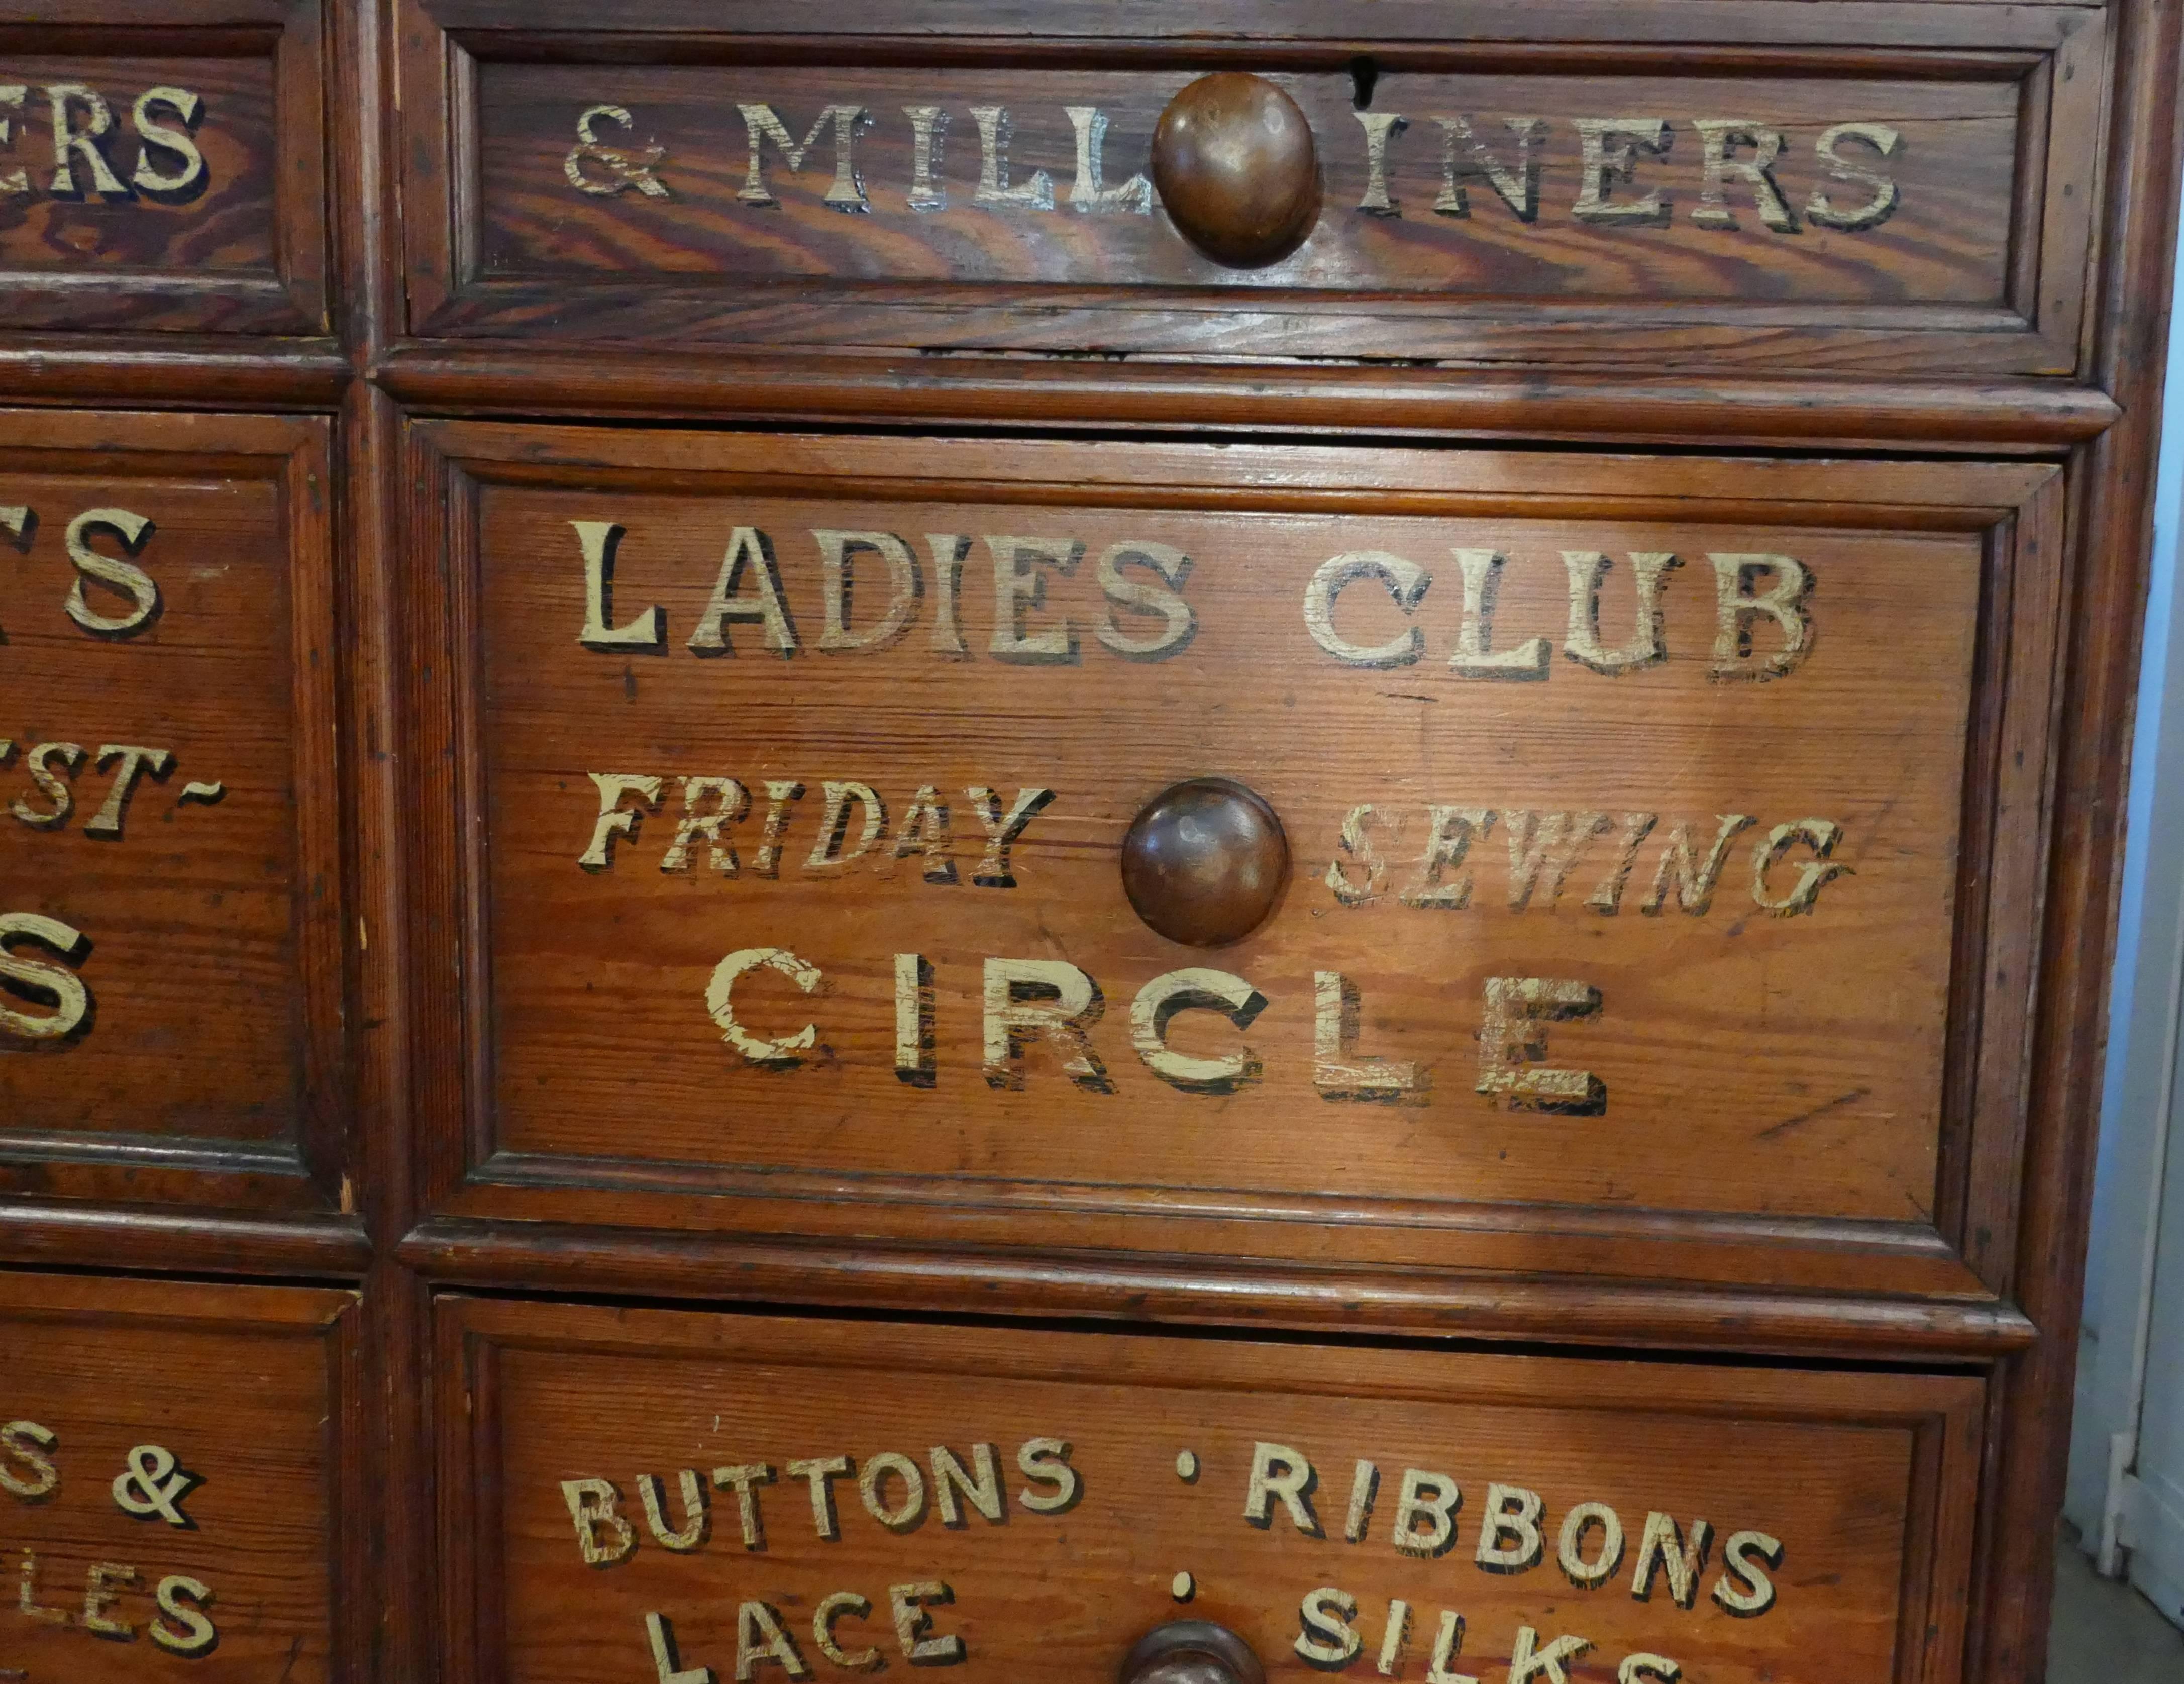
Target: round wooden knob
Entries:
(1203, 864)
(1191, 1651)
(1234, 159)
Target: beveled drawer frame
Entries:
(332, 1318)
(292, 300)
(1911, 1287)
(2057, 55)
(222, 1202)
(1943, 1413)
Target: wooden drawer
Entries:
(1663, 835)
(171, 1017)
(635, 1495)
(1893, 192)
(164, 172)
(170, 1472)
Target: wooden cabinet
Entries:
(1307, 811)
(1749, 189)
(177, 1478)
(176, 1007)
(1626, 801)
(805, 1499)
(164, 173)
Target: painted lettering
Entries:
(36, 1475)
(782, 1052)
(1502, 154)
(1279, 1472)
(624, 168)
(603, 1538)
(53, 986)
(1030, 1001)
(1338, 1071)
(845, 192)
(1195, 986)
(1513, 1041)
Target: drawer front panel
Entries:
(859, 1496)
(168, 179)
(167, 1479)
(1577, 199)
(1642, 819)
(171, 1022)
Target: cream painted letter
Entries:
(1164, 996)
(789, 1050)
(1049, 1000)
(71, 1000)
(1278, 1471)
(599, 541)
(1407, 583)
(1515, 1037)
(595, 1507)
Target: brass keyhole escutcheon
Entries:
(1236, 168)
(1191, 1651)
(1205, 860)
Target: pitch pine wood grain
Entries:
(1115, 1464)
(220, 214)
(1755, 1052)
(1945, 245)
(171, 810)
(167, 178)
(170, 1464)
(1901, 202)
(415, 1091)
(1795, 1061)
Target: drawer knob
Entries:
(1234, 159)
(1205, 862)
(1192, 1652)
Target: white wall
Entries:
(2130, 1376)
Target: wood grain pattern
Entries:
(1840, 1118)
(946, 1276)
(1975, 25)
(204, 1060)
(2005, 355)
(133, 228)
(1186, 399)
(1861, 1479)
(1981, 264)
(1948, 244)
(248, 1391)
(2112, 527)
(594, 1063)
(202, 211)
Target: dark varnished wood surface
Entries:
(2028, 325)
(1195, 1292)
(1979, 264)
(205, 211)
(205, 1059)
(1857, 1182)
(1971, 24)
(221, 219)
(1135, 397)
(1962, 133)
(118, 1390)
(1861, 1480)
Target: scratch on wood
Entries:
(1790, 1122)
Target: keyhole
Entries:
(1363, 74)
